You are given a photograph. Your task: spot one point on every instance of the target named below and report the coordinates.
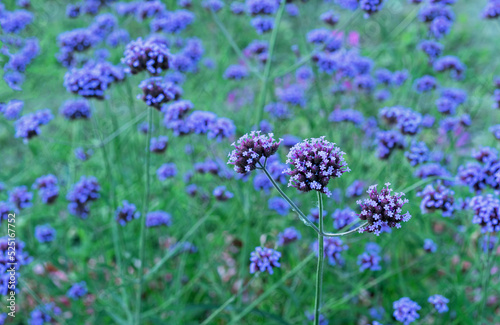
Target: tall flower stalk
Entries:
(313, 163)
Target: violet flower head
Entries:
(279, 111)
(214, 5)
(439, 302)
(452, 64)
(221, 128)
(126, 213)
(347, 115)
(117, 37)
(369, 260)
(387, 142)
(88, 82)
(5, 210)
(250, 148)
(440, 27)
(200, 122)
(382, 209)
(417, 154)
(355, 189)
(314, 215)
(495, 130)
(13, 22)
(77, 290)
(292, 95)
(425, 84)
(83, 155)
(158, 218)
(486, 212)
(264, 259)
(279, 205)
(236, 72)
(149, 9)
(77, 40)
(47, 188)
(333, 247)
(158, 145)
(492, 10)
(150, 55)
(157, 91)
(222, 194)
(400, 77)
(12, 109)
(166, 171)
(329, 17)
(437, 198)
(45, 233)
(432, 49)
(21, 197)
(406, 310)
(262, 25)
(321, 321)
(371, 7)
(81, 195)
(430, 246)
(172, 22)
(262, 7)
(288, 236)
(28, 126)
(315, 162)
(42, 314)
(446, 106)
(343, 217)
(76, 109)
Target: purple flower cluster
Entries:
(158, 145)
(387, 142)
(425, 84)
(314, 163)
(370, 259)
(42, 314)
(486, 212)
(482, 174)
(439, 302)
(21, 197)
(437, 198)
(158, 218)
(347, 115)
(156, 92)
(288, 236)
(333, 247)
(430, 246)
(45, 233)
(12, 109)
(76, 109)
(14, 22)
(355, 189)
(264, 259)
(249, 150)
(5, 210)
(126, 213)
(150, 55)
(77, 290)
(279, 205)
(418, 153)
(222, 194)
(172, 22)
(406, 310)
(343, 217)
(81, 195)
(28, 126)
(432, 49)
(382, 209)
(452, 64)
(166, 171)
(47, 188)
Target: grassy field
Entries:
(188, 287)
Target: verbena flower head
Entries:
(149, 9)
(158, 218)
(418, 153)
(314, 215)
(80, 196)
(440, 27)
(262, 25)
(425, 84)
(250, 148)
(288, 236)
(166, 171)
(28, 126)
(369, 261)
(77, 290)
(446, 106)
(126, 213)
(321, 321)
(382, 209)
(429, 245)
(333, 247)
(343, 217)
(199, 122)
(236, 72)
(222, 194)
(486, 212)
(21, 197)
(433, 169)
(150, 55)
(315, 162)
(77, 40)
(47, 187)
(262, 7)
(157, 91)
(76, 109)
(264, 259)
(439, 302)
(83, 155)
(221, 128)
(452, 64)
(329, 17)
(45, 233)
(12, 109)
(433, 49)
(42, 314)
(13, 22)
(495, 130)
(437, 198)
(406, 310)
(88, 82)
(5, 210)
(117, 37)
(347, 115)
(172, 22)
(355, 189)
(459, 96)
(158, 145)
(279, 205)
(492, 10)
(371, 7)
(388, 141)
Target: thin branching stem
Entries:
(143, 220)
(321, 262)
(267, 69)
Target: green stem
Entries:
(143, 221)
(267, 69)
(321, 260)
